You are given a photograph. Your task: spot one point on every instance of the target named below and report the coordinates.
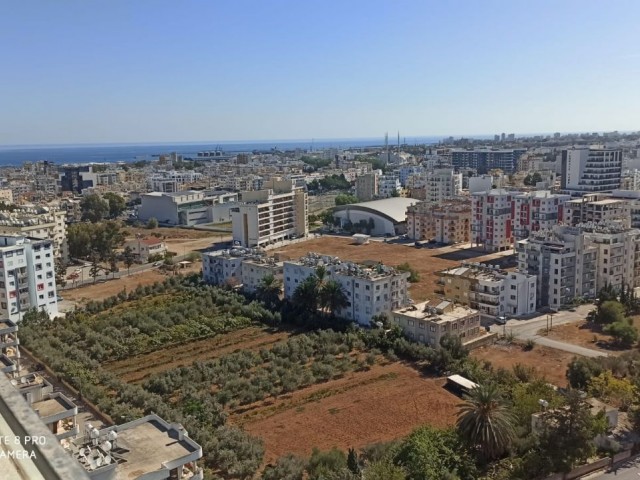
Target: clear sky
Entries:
(80, 71)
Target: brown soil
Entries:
(382, 404)
(180, 240)
(100, 291)
(583, 335)
(548, 362)
(167, 233)
(425, 261)
(136, 369)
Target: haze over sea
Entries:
(60, 154)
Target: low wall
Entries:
(487, 339)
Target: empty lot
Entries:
(425, 261)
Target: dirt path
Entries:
(137, 369)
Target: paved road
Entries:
(627, 471)
(528, 330)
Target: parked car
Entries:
(157, 264)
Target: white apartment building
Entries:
(389, 186)
(38, 222)
(491, 219)
(408, 171)
(537, 210)
(173, 180)
(27, 277)
(272, 215)
(370, 290)
(442, 184)
(491, 291)
(480, 183)
(255, 269)
(144, 248)
(591, 169)
(564, 263)
(188, 207)
(239, 266)
(426, 323)
(446, 222)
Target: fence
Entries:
(582, 470)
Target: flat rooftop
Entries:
(51, 406)
(418, 312)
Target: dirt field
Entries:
(583, 335)
(425, 261)
(100, 291)
(385, 403)
(136, 369)
(548, 362)
(179, 240)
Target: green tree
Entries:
(288, 467)
(526, 397)
(323, 464)
(566, 437)
(61, 273)
(113, 265)
(352, 462)
(414, 275)
(94, 208)
(331, 297)
(95, 268)
(610, 311)
(128, 258)
(305, 296)
(624, 334)
(485, 421)
(117, 205)
(581, 370)
(532, 179)
(268, 291)
(434, 454)
(345, 199)
(152, 223)
(383, 470)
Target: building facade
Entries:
(591, 169)
(188, 207)
(367, 186)
(370, 290)
(537, 210)
(446, 222)
(269, 216)
(491, 219)
(442, 184)
(491, 291)
(427, 324)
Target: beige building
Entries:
(6, 195)
(143, 248)
(445, 222)
(597, 208)
(272, 215)
(426, 323)
(367, 186)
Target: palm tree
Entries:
(306, 294)
(486, 422)
(332, 297)
(268, 291)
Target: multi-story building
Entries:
(482, 160)
(445, 222)
(255, 269)
(367, 186)
(535, 211)
(27, 277)
(188, 207)
(265, 217)
(491, 219)
(597, 208)
(370, 290)
(489, 290)
(6, 195)
(244, 267)
(564, 263)
(442, 184)
(145, 248)
(426, 323)
(389, 186)
(37, 222)
(591, 169)
(172, 181)
(76, 178)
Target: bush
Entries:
(624, 334)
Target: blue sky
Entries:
(144, 71)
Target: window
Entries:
(513, 297)
(377, 298)
(41, 297)
(357, 285)
(604, 270)
(377, 287)
(432, 328)
(411, 323)
(367, 287)
(3, 305)
(513, 287)
(421, 325)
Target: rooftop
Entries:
(53, 406)
(394, 208)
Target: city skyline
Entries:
(154, 72)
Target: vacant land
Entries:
(588, 335)
(180, 240)
(425, 261)
(548, 362)
(138, 368)
(382, 404)
(106, 289)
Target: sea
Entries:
(111, 153)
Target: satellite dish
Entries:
(99, 462)
(107, 460)
(106, 446)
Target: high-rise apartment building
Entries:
(442, 184)
(535, 211)
(27, 277)
(491, 219)
(597, 208)
(591, 169)
(272, 215)
(482, 160)
(370, 290)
